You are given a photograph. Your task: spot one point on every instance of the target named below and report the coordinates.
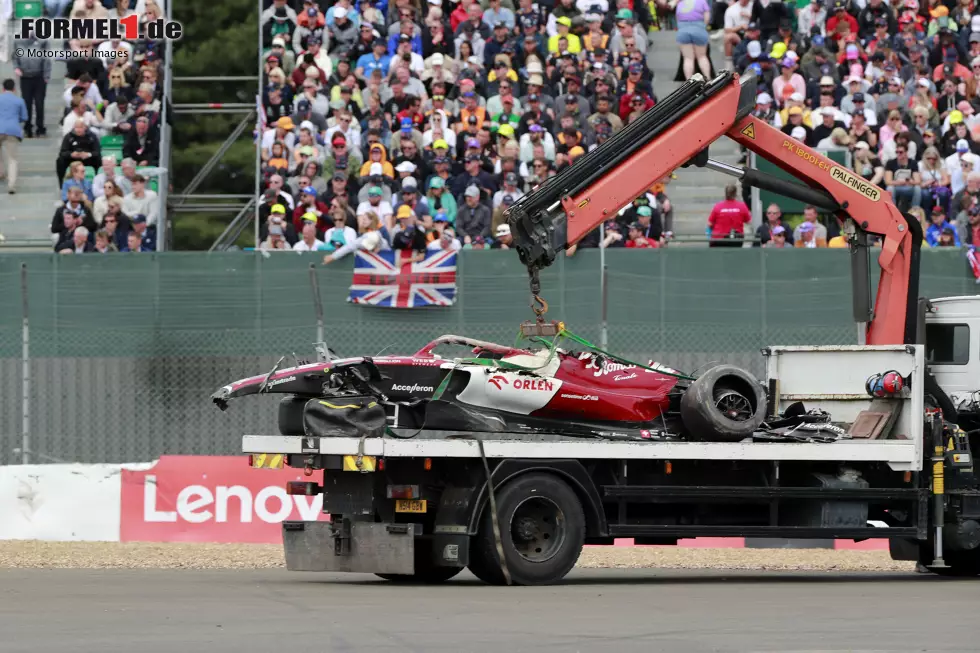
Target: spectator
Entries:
(778, 238)
(133, 243)
(146, 232)
(79, 242)
(76, 179)
(371, 237)
(938, 227)
(142, 144)
(309, 242)
(116, 223)
(13, 112)
(727, 221)
(774, 219)
(376, 205)
(636, 239)
(340, 233)
(80, 144)
(407, 235)
(81, 112)
(808, 237)
(34, 73)
(503, 239)
(103, 243)
(903, 179)
(276, 240)
(101, 204)
(142, 201)
(473, 218)
(107, 173)
(811, 217)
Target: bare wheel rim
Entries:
(537, 529)
(733, 405)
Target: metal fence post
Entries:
(25, 380)
(258, 131)
(603, 290)
(317, 303)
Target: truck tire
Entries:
(542, 529)
(291, 415)
(725, 404)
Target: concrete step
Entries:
(26, 216)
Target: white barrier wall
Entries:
(60, 503)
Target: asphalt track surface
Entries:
(596, 610)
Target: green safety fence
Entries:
(125, 350)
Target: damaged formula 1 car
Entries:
(501, 389)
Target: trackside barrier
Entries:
(192, 499)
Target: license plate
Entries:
(267, 460)
(410, 505)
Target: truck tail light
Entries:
(403, 492)
(302, 488)
(427, 465)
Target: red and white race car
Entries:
(496, 388)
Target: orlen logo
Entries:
(212, 499)
(498, 381)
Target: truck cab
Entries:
(952, 338)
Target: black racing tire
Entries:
(725, 404)
(291, 415)
(542, 528)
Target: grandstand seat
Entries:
(152, 182)
(28, 9)
(112, 141)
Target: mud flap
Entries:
(361, 547)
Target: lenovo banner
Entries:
(211, 499)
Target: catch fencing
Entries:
(125, 350)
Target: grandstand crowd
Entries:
(109, 132)
(409, 125)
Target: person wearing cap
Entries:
(863, 103)
(807, 237)
(410, 196)
(788, 77)
(502, 237)
(796, 125)
(764, 109)
(275, 241)
(308, 204)
(508, 189)
(473, 175)
(342, 30)
(308, 241)
(440, 200)
(278, 9)
(636, 240)
(378, 59)
(535, 112)
(777, 239)
(563, 30)
(473, 217)
(938, 225)
(604, 114)
(407, 233)
(471, 113)
(444, 235)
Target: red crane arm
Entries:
(677, 131)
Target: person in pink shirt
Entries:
(891, 127)
(788, 77)
(727, 221)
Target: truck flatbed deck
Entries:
(900, 455)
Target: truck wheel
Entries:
(542, 528)
(725, 404)
(291, 415)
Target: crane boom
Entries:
(678, 131)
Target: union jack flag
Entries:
(971, 256)
(390, 279)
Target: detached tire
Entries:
(542, 528)
(725, 404)
(291, 415)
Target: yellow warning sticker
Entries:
(749, 131)
(267, 461)
(854, 182)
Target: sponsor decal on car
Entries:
(434, 362)
(279, 381)
(581, 397)
(415, 387)
(624, 377)
(607, 367)
(498, 381)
